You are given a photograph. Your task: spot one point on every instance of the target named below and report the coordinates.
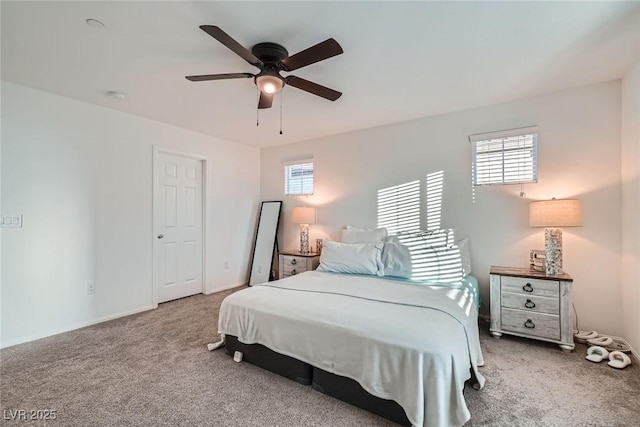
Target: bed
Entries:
(396, 348)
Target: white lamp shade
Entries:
(269, 84)
(303, 215)
(555, 213)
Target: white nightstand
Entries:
(294, 262)
(531, 304)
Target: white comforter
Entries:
(413, 344)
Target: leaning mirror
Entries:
(265, 242)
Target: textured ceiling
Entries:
(401, 61)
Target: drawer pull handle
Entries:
(293, 272)
(294, 262)
(527, 288)
(529, 304)
(529, 324)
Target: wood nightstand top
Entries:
(526, 272)
(298, 253)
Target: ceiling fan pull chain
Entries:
(258, 110)
(281, 96)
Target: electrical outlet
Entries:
(91, 288)
(226, 265)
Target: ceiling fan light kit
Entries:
(271, 59)
(269, 84)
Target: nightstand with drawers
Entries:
(294, 262)
(530, 304)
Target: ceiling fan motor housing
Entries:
(270, 53)
(269, 79)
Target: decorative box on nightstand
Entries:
(294, 262)
(530, 304)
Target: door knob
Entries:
(160, 236)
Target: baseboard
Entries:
(78, 326)
(100, 320)
(226, 288)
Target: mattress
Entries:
(405, 342)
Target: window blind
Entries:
(505, 157)
(298, 178)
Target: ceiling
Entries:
(401, 61)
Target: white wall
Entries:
(579, 156)
(631, 205)
(82, 177)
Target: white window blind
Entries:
(298, 178)
(505, 157)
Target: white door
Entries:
(177, 212)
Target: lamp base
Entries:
(304, 238)
(553, 251)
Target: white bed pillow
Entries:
(441, 264)
(363, 235)
(396, 260)
(465, 256)
(422, 238)
(356, 258)
(393, 238)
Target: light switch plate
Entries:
(11, 221)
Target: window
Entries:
(298, 178)
(505, 157)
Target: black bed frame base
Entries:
(265, 358)
(337, 386)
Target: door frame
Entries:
(204, 160)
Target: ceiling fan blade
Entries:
(266, 99)
(313, 88)
(218, 77)
(319, 52)
(229, 42)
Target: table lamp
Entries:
(552, 214)
(304, 216)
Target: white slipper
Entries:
(597, 354)
(618, 345)
(601, 341)
(619, 360)
(583, 336)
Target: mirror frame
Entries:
(265, 243)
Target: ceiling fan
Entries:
(271, 59)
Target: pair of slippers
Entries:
(617, 359)
(592, 338)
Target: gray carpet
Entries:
(153, 369)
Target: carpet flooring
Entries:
(153, 369)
